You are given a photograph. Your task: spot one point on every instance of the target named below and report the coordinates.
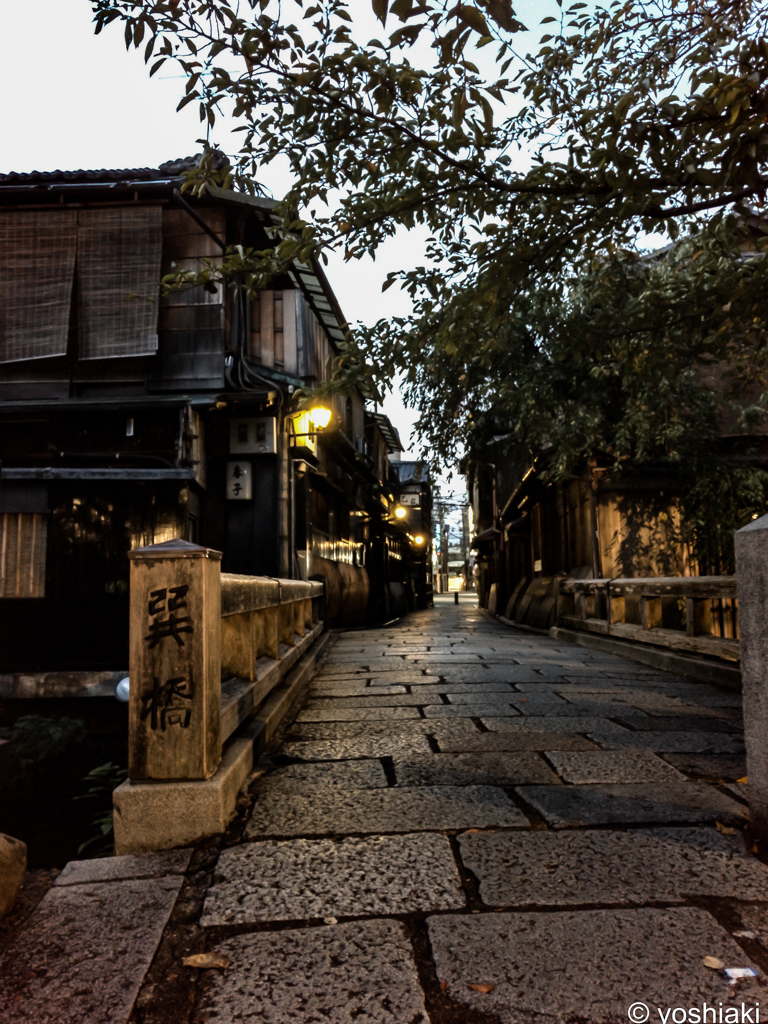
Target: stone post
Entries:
(175, 662)
(752, 589)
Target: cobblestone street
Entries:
(470, 823)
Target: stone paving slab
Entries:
(363, 746)
(586, 965)
(330, 775)
(633, 804)
(368, 700)
(513, 740)
(360, 972)
(637, 866)
(552, 705)
(666, 741)
(680, 723)
(353, 730)
(489, 691)
(554, 723)
(314, 878)
(83, 954)
(470, 711)
(479, 693)
(404, 678)
(110, 869)
(738, 789)
(755, 920)
(728, 767)
(352, 689)
(480, 673)
(386, 666)
(494, 768)
(365, 714)
(599, 766)
(417, 809)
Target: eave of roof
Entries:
(309, 278)
(388, 431)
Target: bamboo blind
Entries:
(118, 259)
(22, 554)
(37, 261)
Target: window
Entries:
(23, 538)
(37, 263)
(115, 255)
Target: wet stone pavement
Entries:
(470, 824)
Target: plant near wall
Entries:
(538, 169)
(101, 782)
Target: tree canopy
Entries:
(544, 170)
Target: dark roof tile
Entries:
(166, 171)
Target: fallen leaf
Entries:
(744, 780)
(206, 960)
(522, 700)
(330, 920)
(713, 963)
(753, 848)
(482, 988)
(725, 829)
(443, 985)
(745, 935)
(472, 831)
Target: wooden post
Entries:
(175, 662)
(698, 616)
(650, 612)
(268, 628)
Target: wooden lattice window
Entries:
(115, 255)
(37, 262)
(118, 266)
(22, 554)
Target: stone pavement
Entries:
(466, 824)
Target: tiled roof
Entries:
(166, 171)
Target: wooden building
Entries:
(128, 418)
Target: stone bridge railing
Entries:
(206, 649)
(634, 609)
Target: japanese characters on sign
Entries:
(239, 481)
(170, 700)
(167, 601)
(168, 703)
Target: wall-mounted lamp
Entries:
(320, 416)
(304, 426)
(419, 538)
(400, 512)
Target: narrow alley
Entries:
(466, 823)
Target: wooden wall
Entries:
(192, 320)
(286, 335)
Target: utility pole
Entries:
(465, 544)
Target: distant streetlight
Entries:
(400, 512)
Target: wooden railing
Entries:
(206, 648)
(604, 606)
